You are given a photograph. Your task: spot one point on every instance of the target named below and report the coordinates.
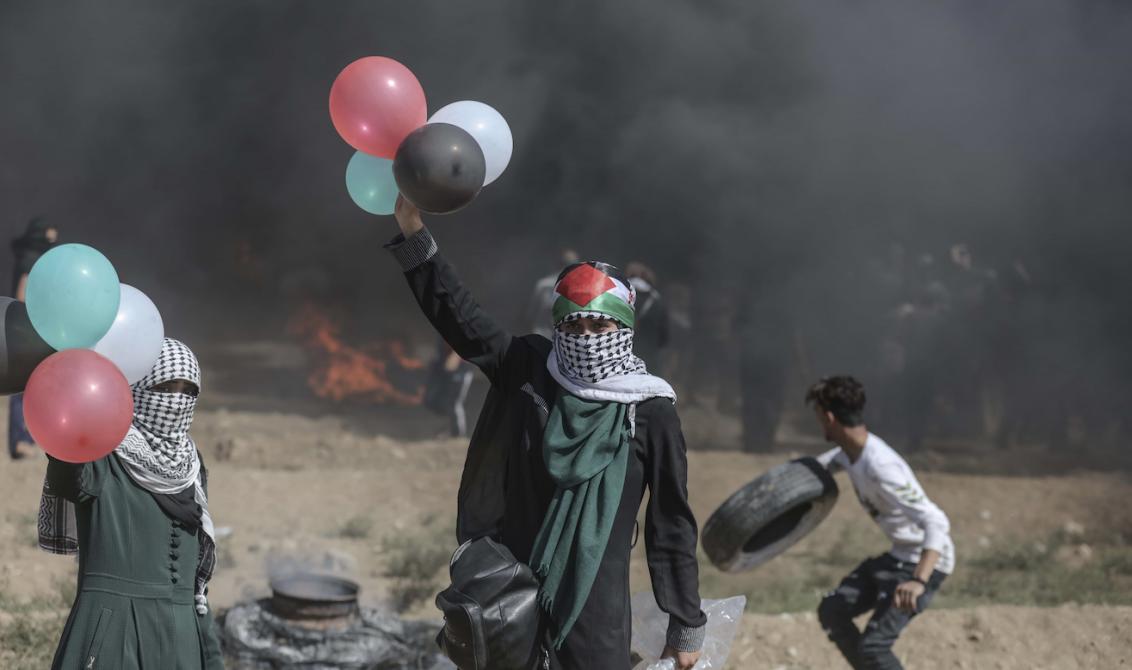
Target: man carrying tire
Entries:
(901, 583)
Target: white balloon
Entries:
(489, 129)
(134, 341)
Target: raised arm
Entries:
(671, 533)
(445, 301)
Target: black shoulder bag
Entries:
(491, 611)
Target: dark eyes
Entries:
(191, 391)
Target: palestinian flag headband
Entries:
(594, 287)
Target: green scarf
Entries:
(586, 450)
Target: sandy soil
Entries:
(285, 483)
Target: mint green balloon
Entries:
(370, 182)
(72, 296)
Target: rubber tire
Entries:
(769, 515)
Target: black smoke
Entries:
(770, 156)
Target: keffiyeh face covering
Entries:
(592, 358)
(159, 441)
(595, 290)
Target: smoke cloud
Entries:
(777, 156)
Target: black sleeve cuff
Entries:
(414, 251)
(682, 638)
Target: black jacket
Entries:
(505, 489)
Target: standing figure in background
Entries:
(536, 316)
(37, 240)
(896, 585)
(678, 359)
(767, 346)
(652, 317)
(446, 390)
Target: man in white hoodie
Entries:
(896, 585)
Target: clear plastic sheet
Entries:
(650, 627)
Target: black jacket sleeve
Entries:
(450, 307)
(79, 483)
(670, 529)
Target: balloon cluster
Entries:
(74, 349)
(439, 165)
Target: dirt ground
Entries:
(287, 486)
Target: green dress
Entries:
(137, 568)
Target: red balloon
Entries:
(78, 405)
(374, 103)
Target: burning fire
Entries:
(345, 372)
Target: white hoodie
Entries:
(890, 493)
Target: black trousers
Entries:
(872, 587)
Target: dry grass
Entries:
(415, 559)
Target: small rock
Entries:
(984, 542)
(975, 636)
(377, 549)
(398, 452)
(5, 619)
(789, 618)
(809, 617)
(225, 448)
(337, 560)
(1073, 529)
(985, 515)
(792, 652)
(399, 524)
(1040, 548)
(1075, 556)
(289, 544)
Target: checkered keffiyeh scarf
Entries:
(157, 453)
(592, 358)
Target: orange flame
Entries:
(345, 372)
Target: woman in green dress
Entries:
(138, 520)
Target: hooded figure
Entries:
(38, 239)
(572, 432)
(138, 520)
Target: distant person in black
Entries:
(37, 240)
(536, 313)
(651, 337)
(766, 352)
(446, 389)
(563, 421)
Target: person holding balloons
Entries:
(572, 433)
(574, 429)
(139, 521)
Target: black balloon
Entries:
(21, 348)
(439, 168)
